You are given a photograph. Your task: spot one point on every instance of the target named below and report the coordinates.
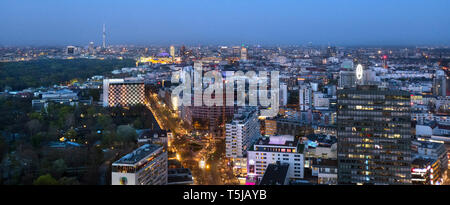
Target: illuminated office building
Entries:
(374, 136)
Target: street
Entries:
(204, 156)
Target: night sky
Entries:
(192, 22)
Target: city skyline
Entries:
(209, 92)
(349, 23)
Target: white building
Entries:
(440, 83)
(283, 149)
(321, 101)
(241, 132)
(146, 165)
(305, 97)
(283, 94)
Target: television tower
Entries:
(104, 36)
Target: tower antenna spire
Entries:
(104, 36)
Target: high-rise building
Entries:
(91, 48)
(283, 94)
(183, 52)
(440, 83)
(374, 136)
(172, 51)
(331, 51)
(123, 92)
(283, 149)
(241, 132)
(236, 51)
(71, 50)
(305, 97)
(244, 56)
(208, 119)
(347, 79)
(146, 165)
(104, 37)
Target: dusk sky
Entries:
(164, 22)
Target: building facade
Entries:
(305, 97)
(374, 136)
(241, 132)
(123, 92)
(146, 165)
(284, 149)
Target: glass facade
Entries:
(374, 136)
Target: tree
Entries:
(36, 140)
(46, 179)
(59, 167)
(71, 133)
(126, 133)
(105, 121)
(108, 138)
(3, 147)
(138, 124)
(68, 181)
(33, 126)
(36, 115)
(21, 75)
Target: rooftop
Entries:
(243, 115)
(315, 140)
(427, 144)
(138, 154)
(147, 134)
(281, 140)
(422, 162)
(123, 80)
